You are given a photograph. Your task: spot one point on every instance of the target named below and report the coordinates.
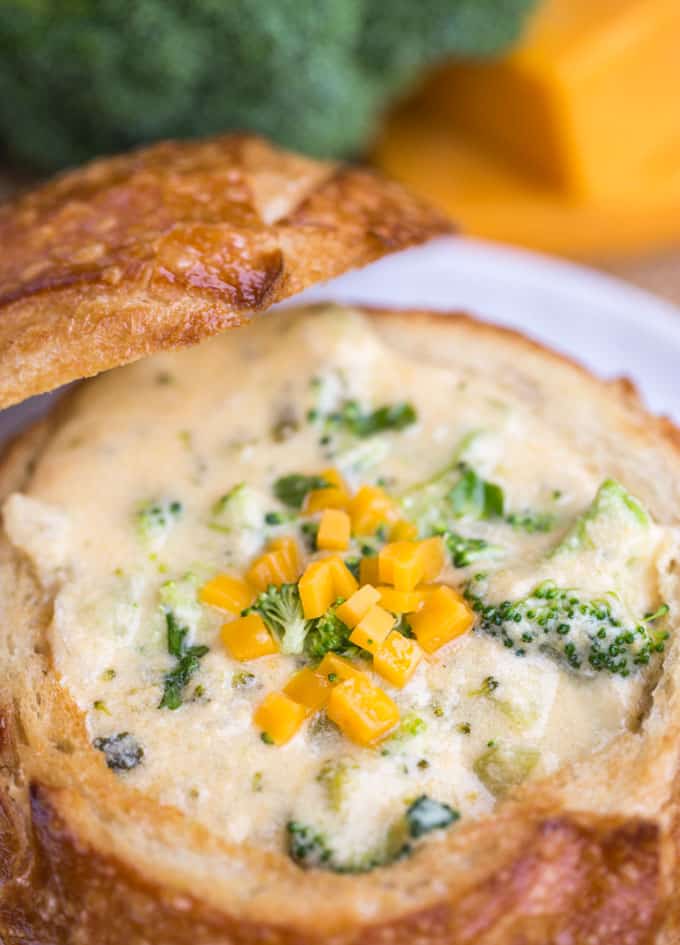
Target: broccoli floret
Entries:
(328, 634)
(589, 636)
(240, 508)
(281, 610)
(500, 767)
(612, 508)
(158, 68)
(466, 551)
(122, 751)
(311, 849)
(179, 597)
(353, 419)
(154, 519)
(188, 661)
(293, 488)
(333, 778)
(425, 815)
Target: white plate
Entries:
(608, 325)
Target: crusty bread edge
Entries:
(559, 878)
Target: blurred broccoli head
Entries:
(84, 77)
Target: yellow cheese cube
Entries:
(334, 530)
(317, 590)
(404, 531)
(336, 669)
(372, 629)
(397, 659)
(368, 570)
(278, 717)
(319, 499)
(290, 550)
(247, 638)
(433, 556)
(356, 606)
(370, 508)
(362, 711)
(310, 689)
(401, 602)
(334, 477)
(228, 593)
(401, 564)
(585, 103)
(441, 619)
(344, 582)
(272, 567)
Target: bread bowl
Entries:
(524, 791)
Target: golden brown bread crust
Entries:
(537, 873)
(161, 247)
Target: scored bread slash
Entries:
(162, 247)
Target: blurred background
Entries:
(551, 124)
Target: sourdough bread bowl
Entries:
(510, 778)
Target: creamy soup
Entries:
(166, 476)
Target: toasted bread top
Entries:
(161, 247)
(597, 830)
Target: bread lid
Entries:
(162, 247)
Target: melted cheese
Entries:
(186, 428)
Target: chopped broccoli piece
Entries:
(333, 777)
(425, 815)
(188, 662)
(243, 680)
(531, 522)
(240, 508)
(310, 848)
(292, 489)
(281, 610)
(466, 551)
(352, 419)
(500, 768)
(586, 635)
(154, 519)
(612, 505)
(122, 751)
(328, 634)
(474, 497)
(410, 726)
(306, 846)
(179, 596)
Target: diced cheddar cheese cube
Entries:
(370, 508)
(272, 567)
(278, 717)
(290, 550)
(334, 530)
(247, 638)
(372, 629)
(362, 711)
(356, 606)
(309, 688)
(344, 582)
(334, 477)
(433, 557)
(404, 531)
(401, 564)
(336, 669)
(397, 659)
(401, 602)
(319, 499)
(335, 496)
(368, 570)
(441, 619)
(317, 589)
(228, 593)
